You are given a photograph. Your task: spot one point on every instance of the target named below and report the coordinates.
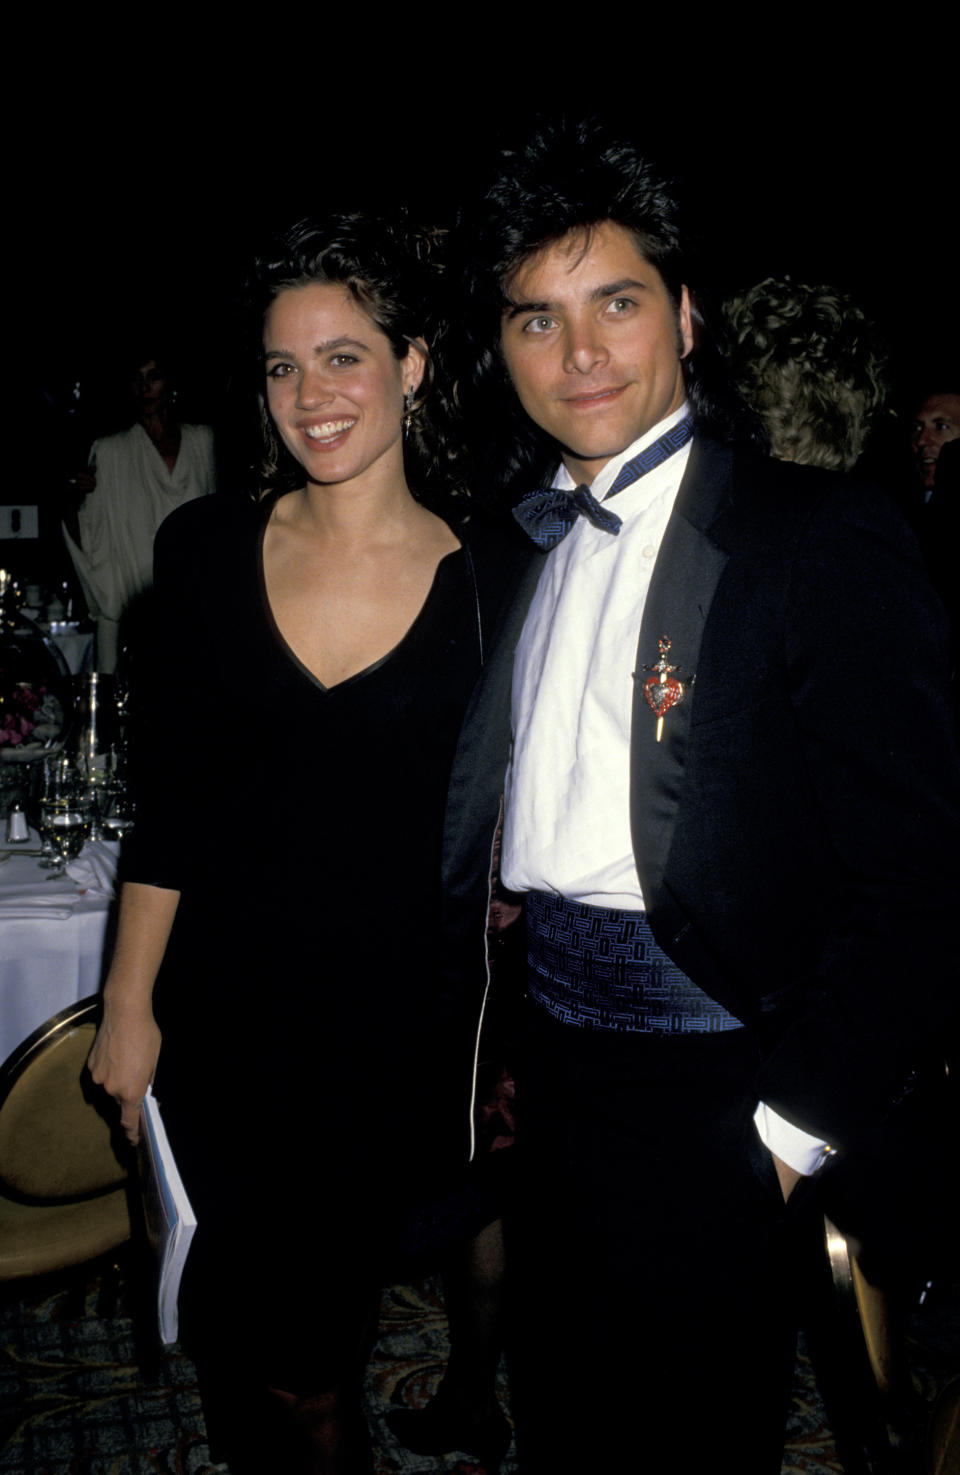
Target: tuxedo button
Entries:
(649, 551)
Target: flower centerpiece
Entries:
(29, 714)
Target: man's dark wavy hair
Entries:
(386, 266)
(567, 176)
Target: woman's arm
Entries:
(125, 1051)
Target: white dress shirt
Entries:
(567, 817)
(567, 826)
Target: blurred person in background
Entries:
(936, 422)
(133, 481)
(807, 360)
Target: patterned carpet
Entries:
(73, 1402)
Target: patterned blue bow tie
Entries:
(547, 514)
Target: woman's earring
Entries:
(407, 411)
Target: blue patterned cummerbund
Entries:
(601, 969)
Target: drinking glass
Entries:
(66, 812)
(117, 810)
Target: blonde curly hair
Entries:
(811, 365)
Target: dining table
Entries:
(54, 933)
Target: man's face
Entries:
(592, 342)
(936, 422)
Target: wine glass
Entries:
(49, 856)
(102, 779)
(66, 813)
(117, 810)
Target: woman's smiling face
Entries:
(335, 388)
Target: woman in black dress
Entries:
(280, 907)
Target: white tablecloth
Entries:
(50, 958)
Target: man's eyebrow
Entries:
(597, 294)
(514, 309)
(613, 289)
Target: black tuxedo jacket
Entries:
(795, 830)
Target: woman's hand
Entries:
(123, 1061)
(124, 1054)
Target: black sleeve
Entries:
(175, 733)
(867, 662)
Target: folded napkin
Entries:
(95, 868)
(34, 897)
(39, 891)
(26, 911)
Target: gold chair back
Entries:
(62, 1195)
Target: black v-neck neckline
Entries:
(280, 639)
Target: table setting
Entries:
(53, 929)
(65, 803)
(52, 618)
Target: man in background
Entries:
(935, 424)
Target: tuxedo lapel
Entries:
(689, 566)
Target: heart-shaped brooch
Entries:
(663, 691)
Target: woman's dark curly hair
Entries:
(569, 176)
(386, 265)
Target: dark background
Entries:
(148, 221)
(141, 190)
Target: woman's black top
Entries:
(302, 826)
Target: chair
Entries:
(943, 1439)
(63, 1199)
(857, 1359)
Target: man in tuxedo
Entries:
(731, 804)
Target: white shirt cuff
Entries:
(797, 1148)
